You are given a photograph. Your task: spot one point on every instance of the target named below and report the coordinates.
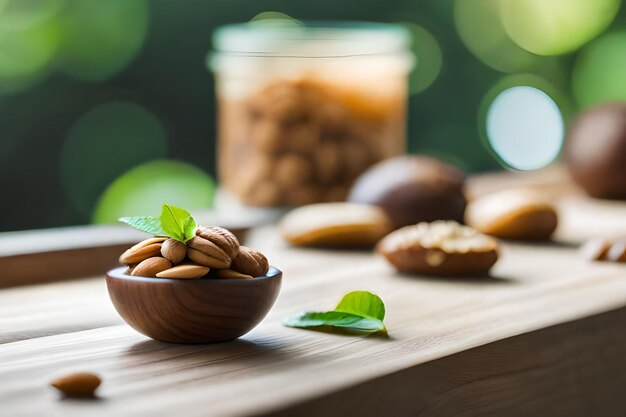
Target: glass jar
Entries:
(303, 109)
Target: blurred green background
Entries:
(105, 104)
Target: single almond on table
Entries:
(523, 214)
(335, 224)
(440, 248)
(230, 274)
(250, 262)
(151, 267)
(173, 250)
(143, 250)
(80, 384)
(220, 237)
(184, 271)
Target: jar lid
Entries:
(294, 39)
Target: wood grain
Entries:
(544, 335)
(193, 310)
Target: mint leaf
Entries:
(173, 220)
(189, 229)
(362, 303)
(148, 224)
(358, 312)
(351, 323)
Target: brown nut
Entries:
(439, 248)
(173, 250)
(513, 214)
(221, 238)
(80, 384)
(250, 262)
(151, 267)
(184, 271)
(230, 274)
(335, 224)
(142, 250)
(595, 150)
(207, 260)
(412, 189)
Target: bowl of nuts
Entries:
(192, 283)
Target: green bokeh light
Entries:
(105, 142)
(480, 28)
(100, 38)
(269, 16)
(26, 55)
(143, 189)
(24, 14)
(600, 71)
(554, 27)
(428, 54)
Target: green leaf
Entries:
(362, 303)
(148, 224)
(358, 312)
(173, 220)
(351, 323)
(189, 229)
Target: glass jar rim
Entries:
(311, 39)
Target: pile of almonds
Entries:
(211, 249)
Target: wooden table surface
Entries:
(543, 336)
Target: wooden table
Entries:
(544, 336)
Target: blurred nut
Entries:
(335, 224)
(412, 189)
(173, 250)
(513, 214)
(184, 271)
(250, 262)
(143, 250)
(439, 248)
(151, 267)
(79, 384)
(293, 170)
(595, 150)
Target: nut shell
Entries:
(80, 384)
(207, 260)
(221, 237)
(250, 262)
(412, 189)
(513, 214)
(443, 248)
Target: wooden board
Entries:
(543, 336)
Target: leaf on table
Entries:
(351, 323)
(358, 312)
(148, 224)
(362, 303)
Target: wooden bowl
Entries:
(193, 310)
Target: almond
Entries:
(184, 271)
(335, 224)
(250, 262)
(173, 250)
(142, 250)
(230, 274)
(222, 238)
(513, 214)
(439, 248)
(207, 260)
(80, 384)
(151, 267)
